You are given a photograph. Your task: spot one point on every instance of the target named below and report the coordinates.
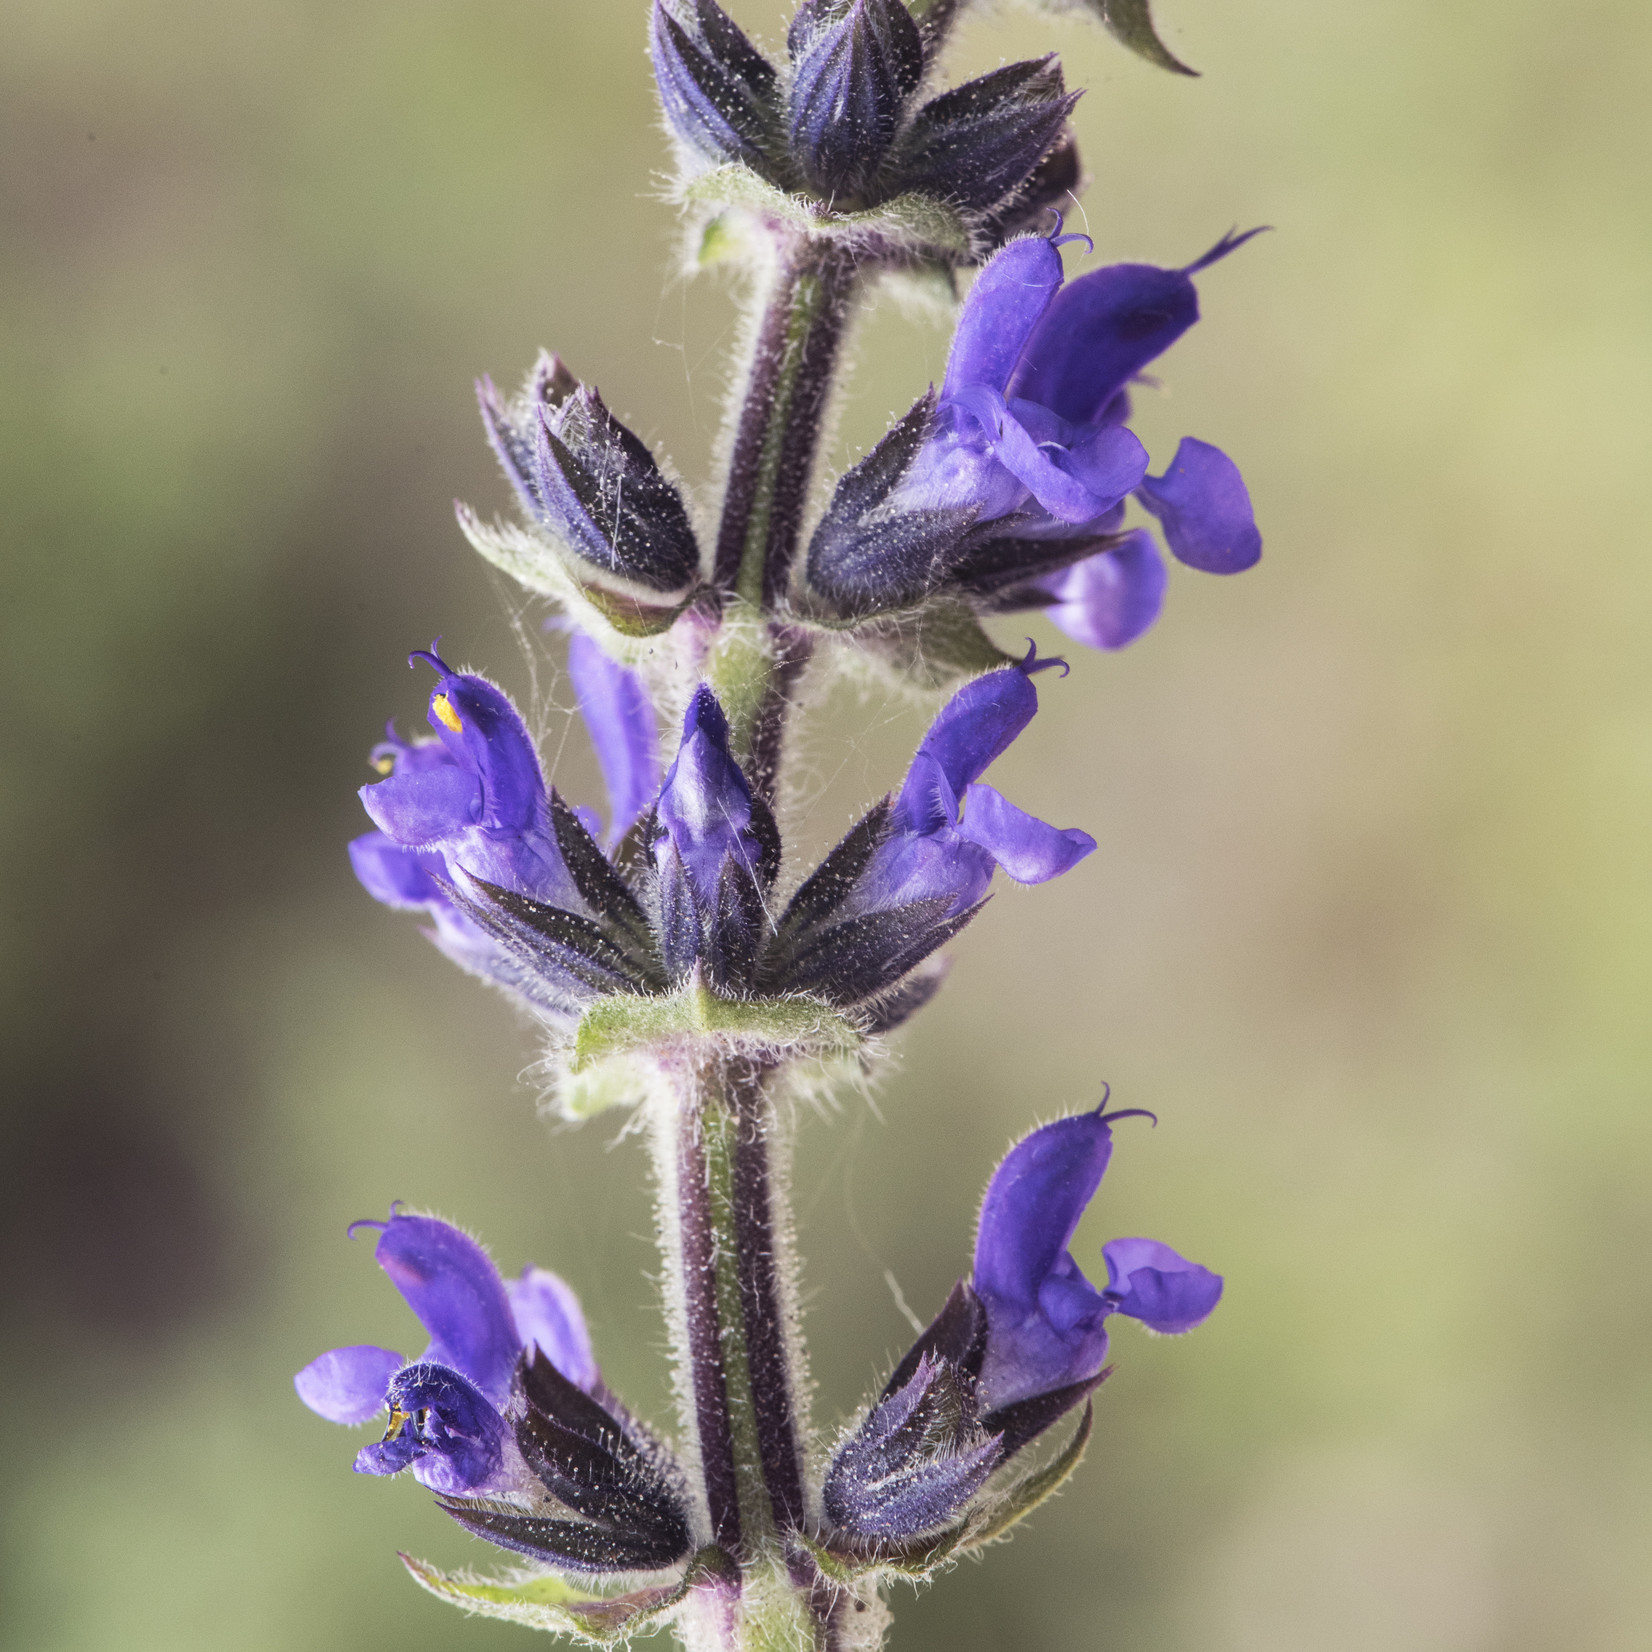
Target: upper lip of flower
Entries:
(1046, 1320)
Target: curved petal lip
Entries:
(423, 806)
(347, 1385)
(1030, 850)
(1109, 600)
(450, 1282)
(1204, 508)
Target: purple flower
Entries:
(1029, 439)
(446, 1407)
(715, 850)
(623, 729)
(470, 836)
(948, 833)
(913, 871)
(1046, 1323)
(472, 803)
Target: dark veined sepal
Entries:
(571, 1545)
(994, 566)
(958, 1333)
(980, 143)
(562, 946)
(865, 558)
(865, 960)
(1021, 1423)
(1054, 184)
(833, 881)
(610, 500)
(717, 90)
(935, 19)
(603, 888)
(916, 1461)
(864, 957)
(721, 936)
(512, 425)
(890, 1010)
(854, 65)
(598, 1463)
(957, 1336)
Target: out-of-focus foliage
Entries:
(1370, 927)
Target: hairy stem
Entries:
(756, 661)
(787, 389)
(726, 1284)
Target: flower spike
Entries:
(652, 944)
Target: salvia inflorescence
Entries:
(676, 962)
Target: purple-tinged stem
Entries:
(726, 1253)
(787, 390)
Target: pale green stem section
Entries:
(740, 669)
(718, 1130)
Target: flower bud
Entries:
(716, 852)
(915, 1461)
(589, 480)
(716, 88)
(980, 143)
(853, 68)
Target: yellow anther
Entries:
(446, 714)
(384, 764)
(399, 1420)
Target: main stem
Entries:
(728, 1286)
(726, 1239)
(733, 1321)
(757, 658)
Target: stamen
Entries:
(431, 658)
(445, 714)
(399, 1420)
(1231, 242)
(1031, 665)
(1057, 239)
(1127, 1113)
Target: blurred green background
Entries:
(1370, 926)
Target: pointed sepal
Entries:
(980, 143)
(867, 558)
(717, 90)
(919, 1457)
(854, 66)
(600, 1466)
